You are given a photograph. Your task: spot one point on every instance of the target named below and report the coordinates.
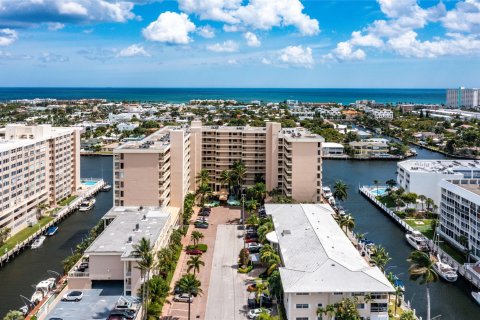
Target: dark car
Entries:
(250, 240)
(126, 314)
(195, 252)
(204, 212)
(251, 235)
(266, 301)
(116, 317)
(201, 225)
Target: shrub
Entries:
(245, 270)
(202, 247)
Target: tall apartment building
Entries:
(459, 214)
(161, 169)
(38, 164)
(463, 97)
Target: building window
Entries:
(302, 293)
(301, 306)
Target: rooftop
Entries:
(440, 166)
(130, 224)
(317, 255)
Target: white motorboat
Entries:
(37, 296)
(331, 200)
(417, 240)
(38, 242)
(87, 204)
(445, 271)
(106, 188)
(42, 289)
(476, 296)
(327, 192)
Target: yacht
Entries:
(87, 204)
(38, 242)
(445, 271)
(417, 240)
(51, 231)
(327, 192)
(106, 188)
(42, 289)
(476, 296)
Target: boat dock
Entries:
(464, 270)
(59, 216)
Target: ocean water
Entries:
(179, 95)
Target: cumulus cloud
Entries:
(206, 32)
(226, 46)
(170, 27)
(297, 56)
(7, 37)
(256, 14)
(133, 51)
(398, 32)
(252, 39)
(54, 26)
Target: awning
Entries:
(272, 237)
(223, 195)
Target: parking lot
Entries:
(95, 304)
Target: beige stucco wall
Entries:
(79, 283)
(140, 177)
(195, 153)
(305, 162)
(106, 267)
(271, 174)
(178, 170)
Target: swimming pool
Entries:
(89, 183)
(380, 191)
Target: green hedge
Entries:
(245, 270)
(200, 246)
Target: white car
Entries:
(73, 296)
(254, 313)
(183, 297)
(255, 245)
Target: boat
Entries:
(106, 188)
(42, 289)
(327, 192)
(331, 200)
(476, 296)
(417, 240)
(445, 271)
(397, 283)
(37, 296)
(38, 242)
(51, 231)
(87, 204)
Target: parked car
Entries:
(116, 317)
(177, 290)
(204, 212)
(250, 240)
(195, 252)
(126, 314)
(201, 225)
(183, 297)
(251, 231)
(254, 313)
(254, 247)
(201, 219)
(251, 235)
(73, 296)
(252, 302)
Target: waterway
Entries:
(450, 301)
(30, 267)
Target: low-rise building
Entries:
(320, 266)
(111, 256)
(380, 114)
(369, 148)
(332, 148)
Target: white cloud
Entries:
(72, 8)
(297, 56)
(133, 51)
(345, 52)
(465, 17)
(206, 32)
(170, 27)
(7, 37)
(252, 39)
(256, 14)
(226, 46)
(49, 57)
(367, 40)
(266, 61)
(232, 61)
(54, 26)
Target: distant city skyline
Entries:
(244, 44)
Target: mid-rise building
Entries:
(459, 214)
(380, 114)
(370, 148)
(38, 165)
(332, 148)
(463, 98)
(161, 169)
(320, 266)
(111, 256)
(423, 176)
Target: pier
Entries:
(465, 270)
(59, 216)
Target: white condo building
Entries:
(463, 97)
(459, 214)
(380, 114)
(320, 266)
(38, 164)
(423, 176)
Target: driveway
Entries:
(227, 296)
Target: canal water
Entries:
(30, 267)
(448, 301)
(451, 301)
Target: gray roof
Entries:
(317, 255)
(115, 238)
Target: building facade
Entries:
(320, 266)
(460, 214)
(463, 98)
(161, 169)
(423, 176)
(38, 165)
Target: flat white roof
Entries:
(317, 255)
(332, 145)
(439, 166)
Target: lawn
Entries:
(22, 235)
(386, 200)
(67, 201)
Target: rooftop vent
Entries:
(285, 232)
(140, 208)
(137, 227)
(130, 239)
(144, 218)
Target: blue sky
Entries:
(235, 43)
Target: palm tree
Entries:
(429, 202)
(421, 267)
(251, 205)
(398, 293)
(41, 207)
(264, 229)
(260, 192)
(194, 263)
(422, 199)
(226, 179)
(275, 284)
(270, 258)
(381, 257)
(375, 182)
(158, 288)
(196, 236)
(142, 251)
(239, 171)
(166, 261)
(203, 177)
(203, 191)
(391, 183)
(408, 315)
(262, 287)
(188, 283)
(347, 222)
(340, 191)
(253, 220)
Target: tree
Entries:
(196, 236)
(251, 205)
(203, 177)
(347, 222)
(340, 190)
(203, 191)
(194, 263)
(343, 310)
(189, 284)
(381, 257)
(158, 288)
(429, 202)
(275, 284)
(145, 262)
(408, 315)
(14, 315)
(4, 233)
(422, 199)
(390, 184)
(227, 179)
(409, 198)
(269, 257)
(41, 207)
(421, 268)
(253, 220)
(243, 258)
(239, 172)
(165, 261)
(265, 228)
(451, 146)
(375, 182)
